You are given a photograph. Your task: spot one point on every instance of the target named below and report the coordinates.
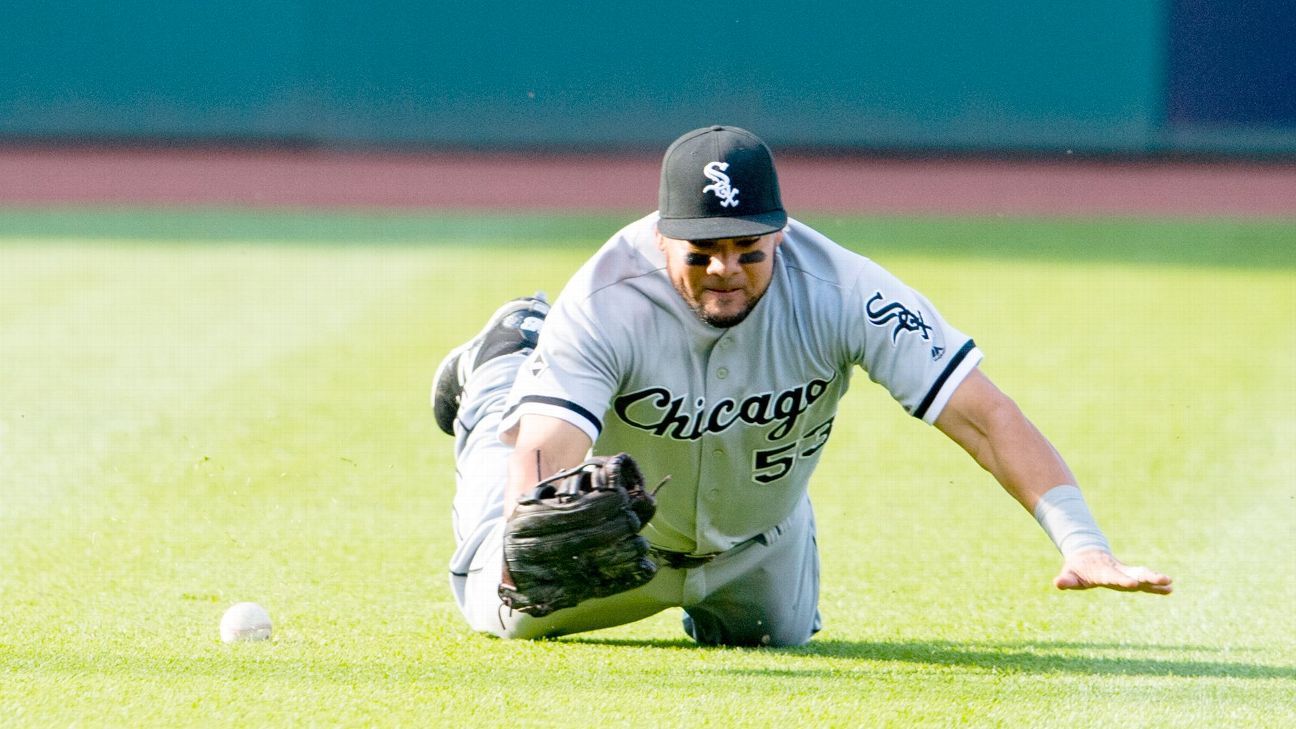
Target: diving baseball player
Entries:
(707, 345)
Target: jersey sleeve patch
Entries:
(897, 320)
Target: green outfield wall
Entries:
(1000, 76)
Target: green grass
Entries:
(207, 407)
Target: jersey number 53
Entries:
(771, 464)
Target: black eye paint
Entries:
(704, 259)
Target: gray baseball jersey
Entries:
(737, 417)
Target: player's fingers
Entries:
(1155, 589)
(1108, 577)
(1136, 579)
(1150, 580)
(1115, 577)
(1115, 580)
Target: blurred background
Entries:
(1129, 78)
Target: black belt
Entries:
(681, 560)
(684, 561)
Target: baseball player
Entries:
(711, 341)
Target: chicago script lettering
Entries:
(662, 413)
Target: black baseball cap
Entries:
(719, 182)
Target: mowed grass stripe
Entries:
(134, 333)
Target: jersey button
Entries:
(722, 373)
(718, 453)
(713, 494)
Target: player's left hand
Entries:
(1098, 568)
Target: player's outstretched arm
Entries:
(993, 430)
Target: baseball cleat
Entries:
(514, 327)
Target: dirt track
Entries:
(586, 182)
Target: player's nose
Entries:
(723, 263)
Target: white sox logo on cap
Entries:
(715, 172)
(719, 160)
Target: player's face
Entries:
(722, 279)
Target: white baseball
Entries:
(243, 622)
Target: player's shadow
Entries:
(1014, 657)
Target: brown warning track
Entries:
(267, 178)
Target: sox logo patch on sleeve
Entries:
(899, 319)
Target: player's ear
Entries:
(778, 239)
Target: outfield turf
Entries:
(199, 408)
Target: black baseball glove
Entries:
(576, 536)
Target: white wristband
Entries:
(1067, 521)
